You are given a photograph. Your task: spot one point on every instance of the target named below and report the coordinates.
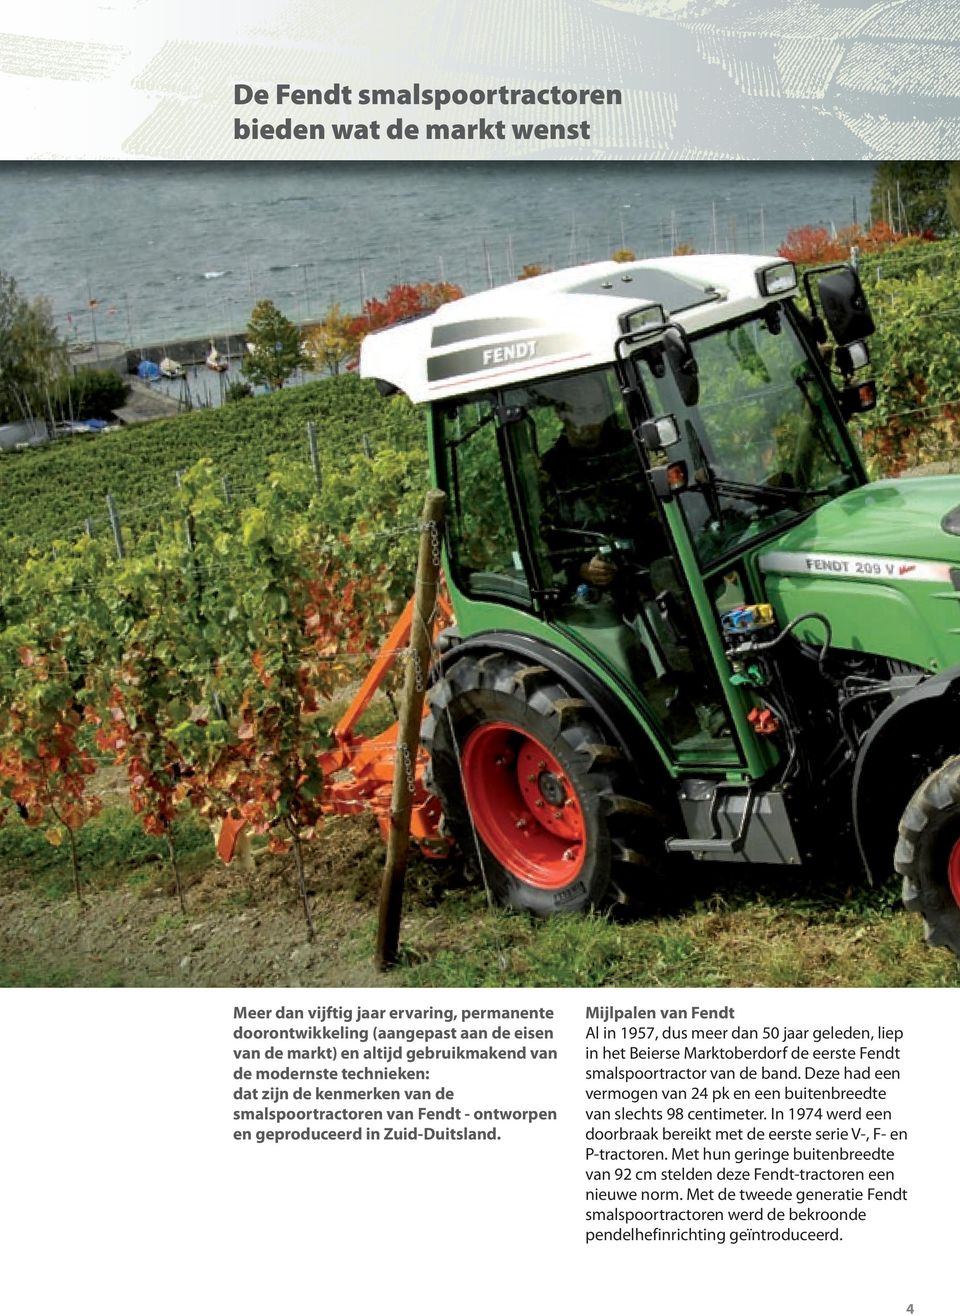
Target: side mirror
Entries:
(844, 306)
(659, 433)
(683, 364)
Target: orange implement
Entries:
(358, 773)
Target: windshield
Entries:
(761, 445)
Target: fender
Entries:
(623, 731)
(907, 742)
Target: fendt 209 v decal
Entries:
(846, 564)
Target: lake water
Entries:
(169, 251)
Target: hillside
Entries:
(47, 493)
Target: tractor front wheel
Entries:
(531, 787)
(928, 855)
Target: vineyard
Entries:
(181, 656)
(49, 492)
(194, 653)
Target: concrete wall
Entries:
(193, 351)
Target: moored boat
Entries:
(215, 361)
(148, 371)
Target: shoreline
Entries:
(188, 350)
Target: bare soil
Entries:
(248, 930)
(240, 930)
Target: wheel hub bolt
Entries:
(568, 854)
(522, 822)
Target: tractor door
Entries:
(753, 448)
(602, 562)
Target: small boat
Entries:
(148, 371)
(171, 369)
(215, 361)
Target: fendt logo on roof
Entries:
(504, 358)
(502, 352)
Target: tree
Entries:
(435, 294)
(275, 349)
(32, 357)
(402, 302)
(332, 342)
(808, 245)
(88, 394)
(815, 246)
(911, 195)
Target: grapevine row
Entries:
(198, 661)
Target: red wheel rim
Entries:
(523, 805)
(953, 872)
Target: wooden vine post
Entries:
(408, 733)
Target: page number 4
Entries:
(910, 1309)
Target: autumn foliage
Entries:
(332, 342)
(402, 302)
(45, 771)
(815, 246)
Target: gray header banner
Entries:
(502, 80)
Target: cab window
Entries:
(484, 547)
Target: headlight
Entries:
(644, 317)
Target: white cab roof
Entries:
(555, 323)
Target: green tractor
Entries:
(687, 625)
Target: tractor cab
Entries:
(614, 440)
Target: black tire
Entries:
(621, 851)
(929, 846)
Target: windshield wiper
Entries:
(786, 493)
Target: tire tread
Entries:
(635, 828)
(930, 823)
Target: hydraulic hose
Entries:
(764, 646)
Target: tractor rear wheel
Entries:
(928, 855)
(531, 785)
